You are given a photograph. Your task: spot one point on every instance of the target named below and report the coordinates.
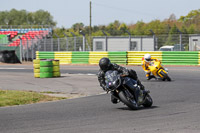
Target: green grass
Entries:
(13, 97)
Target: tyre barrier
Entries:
(46, 68)
(36, 68)
(56, 68)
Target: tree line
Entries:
(23, 17)
(189, 24)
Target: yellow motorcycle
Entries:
(158, 70)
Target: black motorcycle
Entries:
(126, 90)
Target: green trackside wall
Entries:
(45, 55)
(180, 58)
(123, 57)
(80, 58)
(118, 57)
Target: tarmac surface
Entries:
(175, 109)
(72, 83)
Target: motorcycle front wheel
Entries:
(131, 103)
(165, 76)
(148, 101)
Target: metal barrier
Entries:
(94, 57)
(64, 57)
(135, 57)
(80, 57)
(125, 57)
(199, 59)
(180, 58)
(118, 57)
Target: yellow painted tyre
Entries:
(36, 66)
(37, 75)
(56, 68)
(56, 62)
(36, 61)
(36, 70)
(56, 74)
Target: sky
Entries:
(68, 12)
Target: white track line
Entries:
(10, 68)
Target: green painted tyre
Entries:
(36, 61)
(46, 69)
(46, 75)
(36, 66)
(36, 70)
(46, 63)
(56, 74)
(56, 68)
(56, 62)
(37, 75)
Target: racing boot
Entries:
(142, 87)
(114, 100)
(150, 77)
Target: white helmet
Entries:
(147, 57)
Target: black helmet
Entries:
(104, 63)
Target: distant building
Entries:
(123, 43)
(194, 42)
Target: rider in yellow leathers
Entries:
(146, 60)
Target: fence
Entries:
(82, 43)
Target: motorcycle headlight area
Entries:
(115, 84)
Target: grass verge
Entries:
(13, 97)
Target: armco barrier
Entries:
(117, 57)
(180, 58)
(64, 57)
(44, 55)
(80, 57)
(126, 58)
(199, 58)
(135, 57)
(94, 57)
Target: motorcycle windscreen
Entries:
(111, 78)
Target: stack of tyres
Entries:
(46, 69)
(56, 68)
(36, 66)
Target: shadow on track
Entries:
(140, 108)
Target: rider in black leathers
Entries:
(106, 65)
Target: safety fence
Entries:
(123, 57)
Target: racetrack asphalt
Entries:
(175, 109)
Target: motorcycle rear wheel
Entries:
(165, 76)
(127, 102)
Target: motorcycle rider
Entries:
(146, 60)
(106, 65)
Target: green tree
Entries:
(139, 28)
(23, 17)
(123, 28)
(42, 17)
(78, 26)
(191, 29)
(173, 37)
